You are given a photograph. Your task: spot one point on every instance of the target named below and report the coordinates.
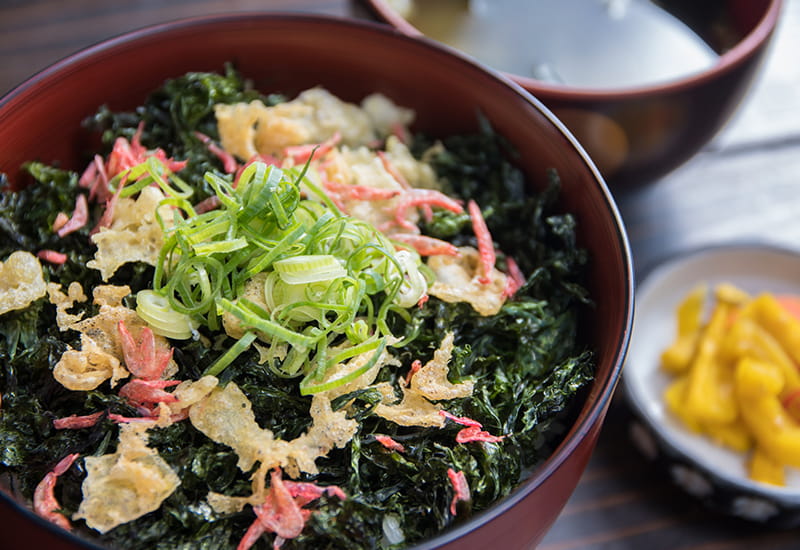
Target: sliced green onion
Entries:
(195, 285)
(179, 204)
(306, 269)
(357, 331)
(220, 247)
(278, 295)
(223, 190)
(353, 351)
(293, 363)
(157, 170)
(151, 171)
(264, 261)
(229, 356)
(320, 194)
(414, 285)
(330, 279)
(156, 311)
(206, 226)
(257, 183)
(261, 324)
(308, 386)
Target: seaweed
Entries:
(529, 362)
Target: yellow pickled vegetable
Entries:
(736, 377)
(774, 317)
(758, 386)
(675, 397)
(709, 393)
(733, 435)
(677, 357)
(765, 469)
(746, 338)
(730, 294)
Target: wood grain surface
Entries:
(744, 186)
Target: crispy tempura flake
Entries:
(87, 368)
(458, 279)
(431, 380)
(249, 129)
(134, 234)
(101, 355)
(226, 416)
(127, 484)
(21, 281)
(412, 410)
(63, 302)
(428, 383)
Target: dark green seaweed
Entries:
(529, 361)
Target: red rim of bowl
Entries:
(586, 419)
(726, 62)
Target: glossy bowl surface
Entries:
(41, 120)
(637, 135)
(713, 474)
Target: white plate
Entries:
(703, 468)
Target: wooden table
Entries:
(743, 186)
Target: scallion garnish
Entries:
(324, 273)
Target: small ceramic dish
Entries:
(713, 474)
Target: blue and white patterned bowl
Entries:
(709, 472)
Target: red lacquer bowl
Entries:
(638, 134)
(41, 120)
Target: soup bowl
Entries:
(42, 120)
(639, 131)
